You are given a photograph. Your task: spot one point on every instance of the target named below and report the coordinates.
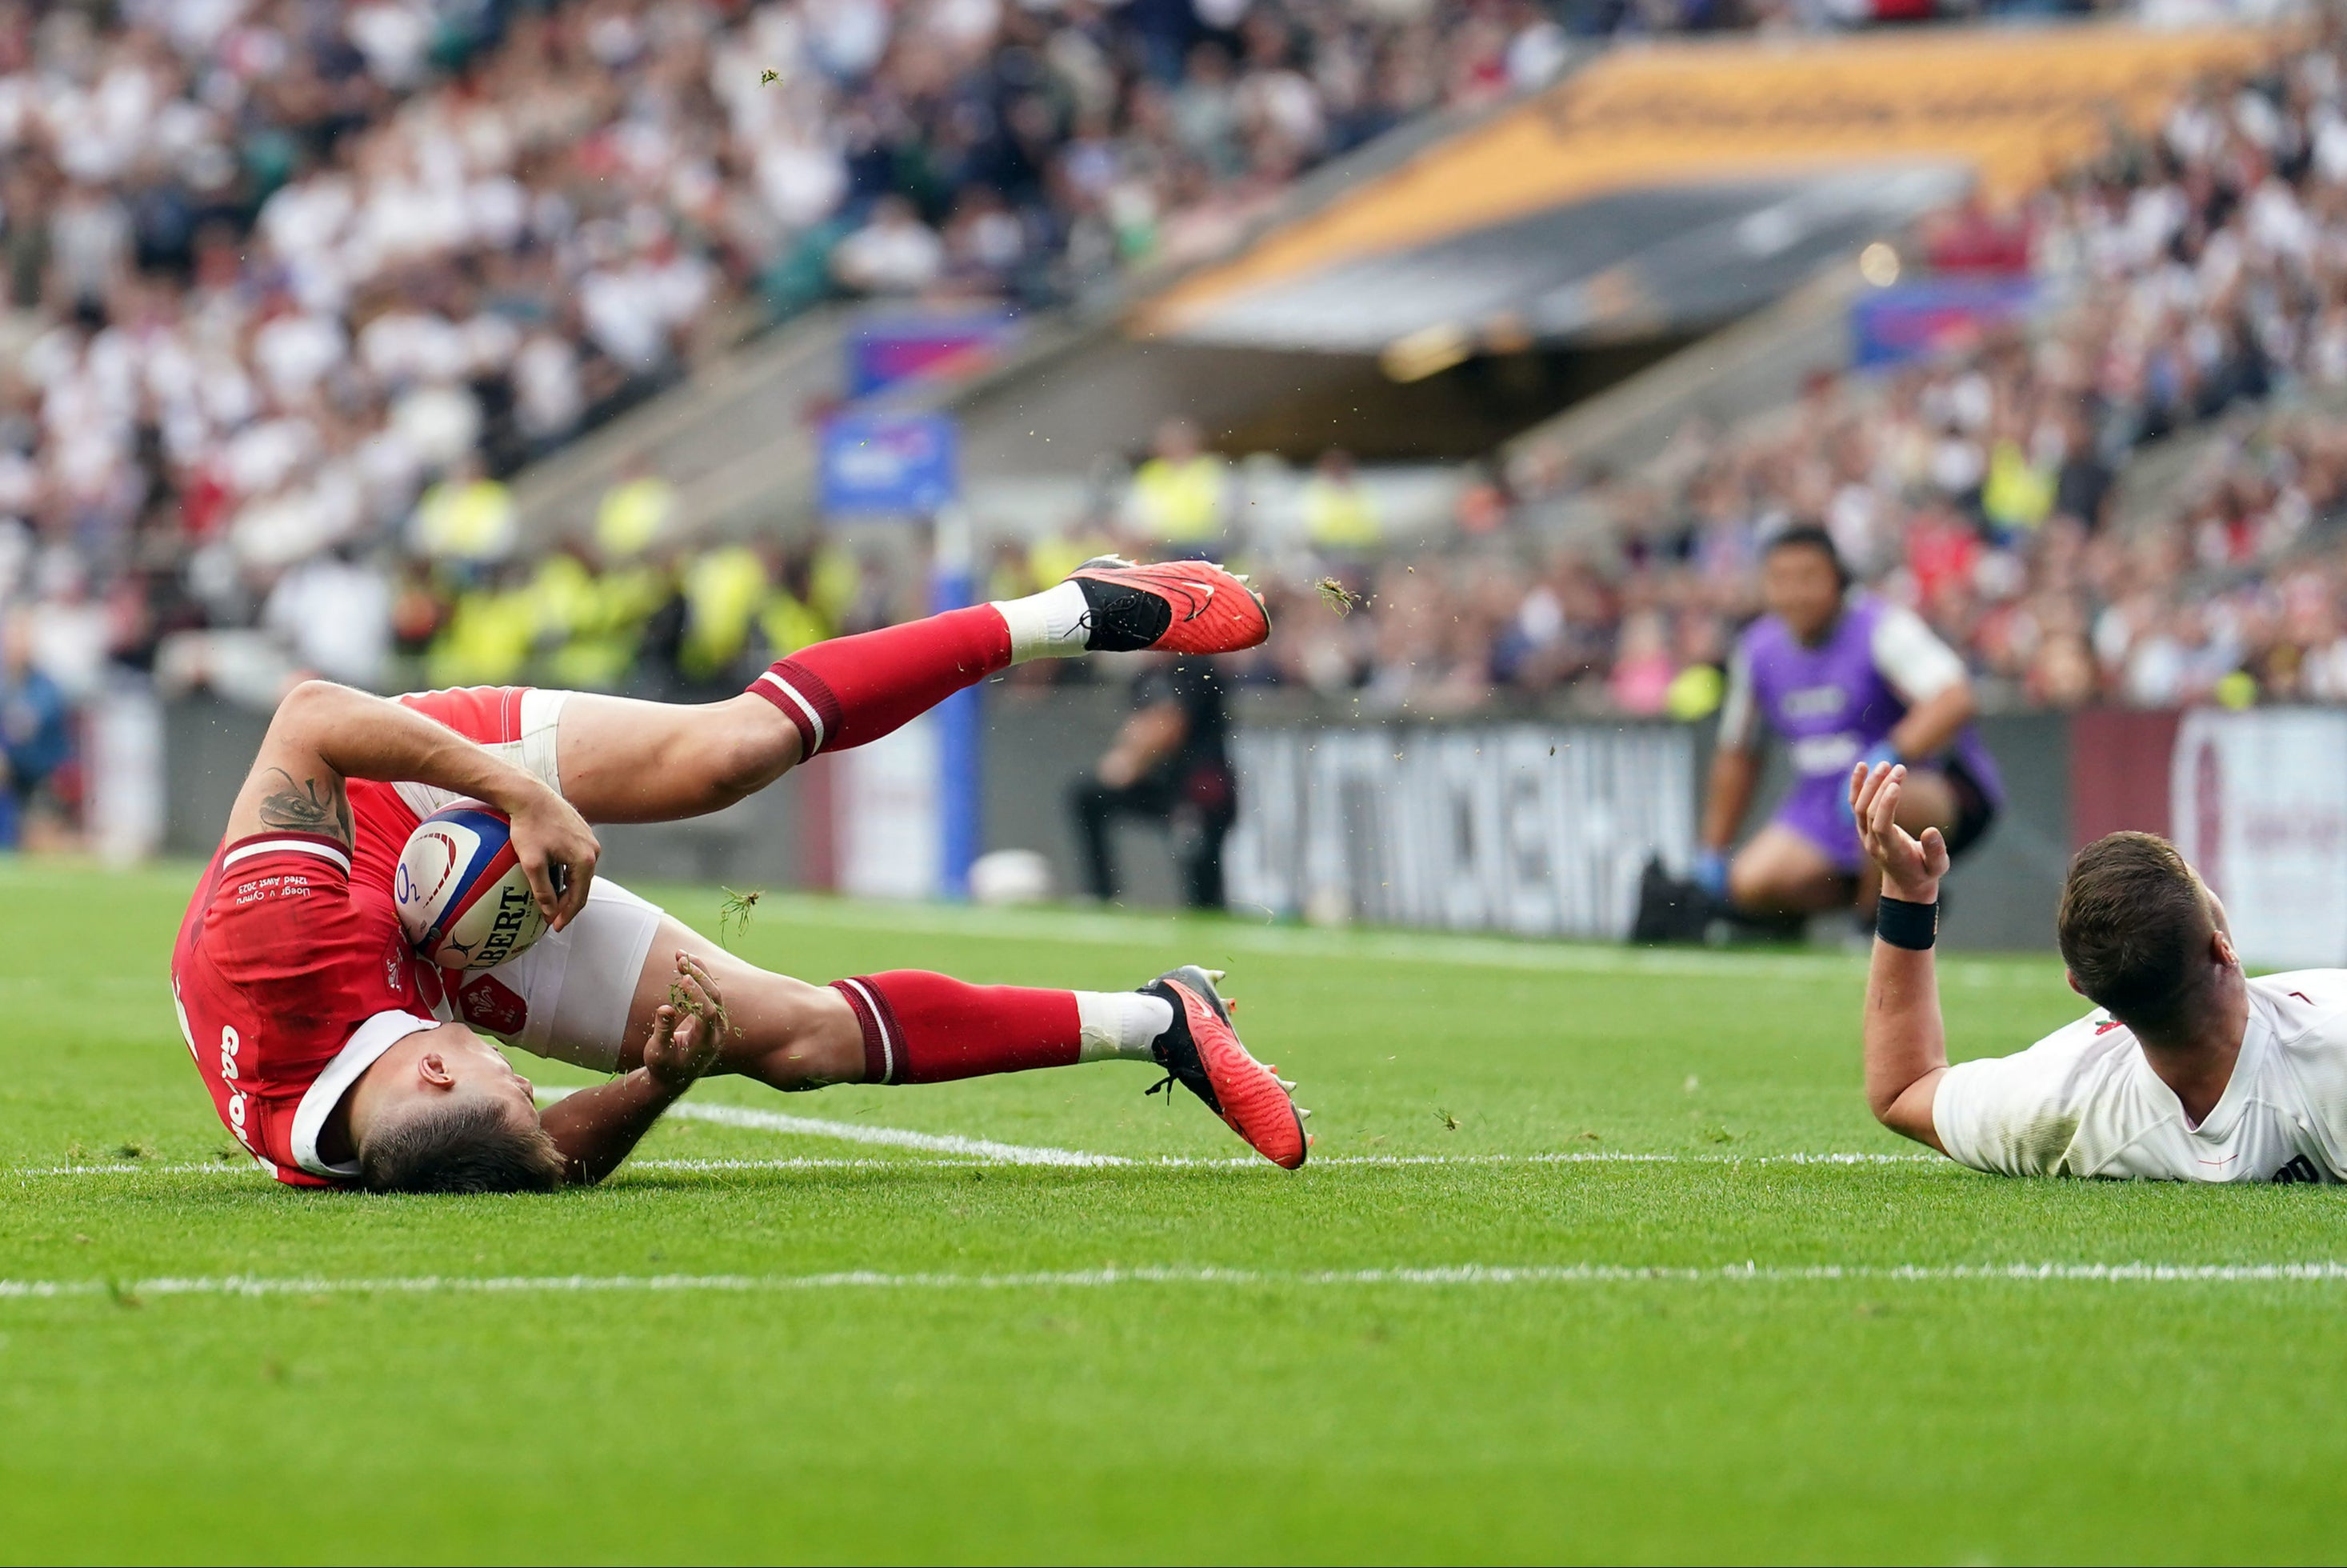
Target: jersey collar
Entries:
(362, 1050)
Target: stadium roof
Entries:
(1667, 188)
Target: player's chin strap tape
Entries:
(1914, 927)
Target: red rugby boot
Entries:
(1201, 1053)
(1172, 607)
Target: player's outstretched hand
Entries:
(558, 852)
(1912, 867)
(688, 1029)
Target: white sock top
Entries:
(1120, 1026)
(1046, 625)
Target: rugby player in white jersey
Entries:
(2187, 1069)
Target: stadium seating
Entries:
(297, 291)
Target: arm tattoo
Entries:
(309, 806)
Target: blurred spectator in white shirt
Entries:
(894, 253)
(334, 613)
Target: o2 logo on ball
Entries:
(463, 898)
(414, 890)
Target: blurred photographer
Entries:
(1171, 764)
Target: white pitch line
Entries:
(1161, 1162)
(1600, 1157)
(860, 1132)
(1025, 1154)
(890, 1137)
(243, 1168)
(2321, 1273)
(1249, 1162)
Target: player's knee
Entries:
(1928, 801)
(1750, 884)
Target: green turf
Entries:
(1265, 1414)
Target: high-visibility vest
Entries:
(470, 521)
(721, 592)
(595, 622)
(1339, 517)
(789, 623)
(2013, 494)
(1180, 503)
(487, 639)
(633, 515)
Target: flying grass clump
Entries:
(733, 912)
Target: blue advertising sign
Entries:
(961, 752)
(1909, 321)
(888, 463)
(884, 351)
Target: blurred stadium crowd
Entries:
(293, 286)
(2194, 289)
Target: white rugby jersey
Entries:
(2083, 1102)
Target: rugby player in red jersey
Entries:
(339, 1058)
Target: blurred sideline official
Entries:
(1171, 764)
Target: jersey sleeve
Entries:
(1910, 656)
(1740, 714)
(2015, 1115)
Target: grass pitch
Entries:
(1554, 1288)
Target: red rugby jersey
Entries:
(291, 978)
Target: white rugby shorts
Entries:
(567, 995)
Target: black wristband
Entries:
(1914, 927)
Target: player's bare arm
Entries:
(1148, 738)
(1906, 1041)
(1931, 725)
(597, 1128)
(323, 734)
(1735, 773)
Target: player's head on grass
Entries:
(443, 1111)
(1804, 581)
(2142, 937)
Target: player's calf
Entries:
(912, 1026)
(923, 1028)
(781, 1032)
(852, 691)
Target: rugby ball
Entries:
(463, 896)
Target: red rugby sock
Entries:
(924, 1028)
(852, 690)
